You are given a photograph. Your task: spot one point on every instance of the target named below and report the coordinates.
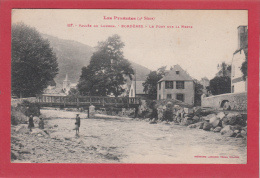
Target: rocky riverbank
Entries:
(56, 144)
(228, 123)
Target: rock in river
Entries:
(217, 129)
(207, 126)
(227, 131)
(214, 121)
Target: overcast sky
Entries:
(212, 39)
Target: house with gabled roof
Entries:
(177, 84)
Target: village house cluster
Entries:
(177, 83)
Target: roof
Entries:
(139, 87)
(182, 76)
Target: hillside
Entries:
(72, 56)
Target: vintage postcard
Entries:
(129, 86)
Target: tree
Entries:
(220, 85)
(107, 71)
(244, 69)
(224, 69)
(198, 93)
(244, 64)
(150, 85)
(33, 63)
(73, 92)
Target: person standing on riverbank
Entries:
(77, 123)
(31, 124)
(41, 124)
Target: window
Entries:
(169, 96)
(180, 97)
(159, 85)
(169, 85)
(177, 72)
(180, 85)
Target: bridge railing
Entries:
(86, 100)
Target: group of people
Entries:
(31, 123)
(41, 123)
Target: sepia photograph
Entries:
(129, 86)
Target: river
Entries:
(137, 141)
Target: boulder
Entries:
(233, 118)
(217, 129)
(204, 118)
(208, 117)
(243, 133)
(221, 115)
(197, 111)
(38, 131)
(201, 125)
(153, 122)
(23, 128)
(214, 121)
(186, 121)
(192, 126)
(239, 135)
(195, 119)
(236, 131)
(227, 131)
(236, 127)
(224, 122)
(207, 126)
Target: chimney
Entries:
(242, 36)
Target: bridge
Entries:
(86, 101)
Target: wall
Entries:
(188, 91)
(236, 75)
(236, 101)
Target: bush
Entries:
(17, 117)
(28, 108)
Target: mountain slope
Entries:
(72, 56)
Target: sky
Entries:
(212, 39)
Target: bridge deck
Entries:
(85, 101)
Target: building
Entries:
(66, 85)
(137, 91)
(239, 56)
(205, 83)
(177, 84)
